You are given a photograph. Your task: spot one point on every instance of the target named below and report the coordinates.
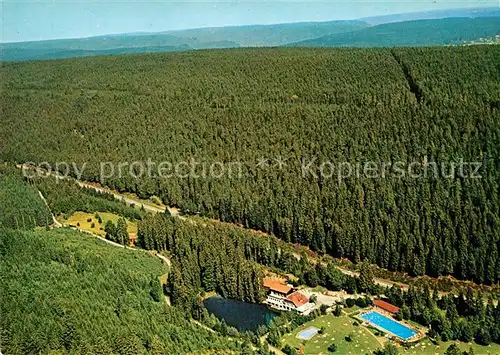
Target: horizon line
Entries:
(360, 19)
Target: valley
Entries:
(155, 207)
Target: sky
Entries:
(34, 20)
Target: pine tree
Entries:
(366, 280)
(453, 349)
(156, 290)
(110, 230)
(121, 233)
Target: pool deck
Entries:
(420, 334)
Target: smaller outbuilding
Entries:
(386, 306)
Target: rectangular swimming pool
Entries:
(307, 333)
(391, 326)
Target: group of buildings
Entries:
(281, 296)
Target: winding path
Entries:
(56, 222)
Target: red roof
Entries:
(277, 286)
(386, 306)
(298, 299)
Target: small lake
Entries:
(241, 315)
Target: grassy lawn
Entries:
(82, 217)
(154, 201)
(320, 289)
(426, 347)
(336, 329)
(352, 309)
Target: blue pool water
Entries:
(308, 333)
(388, 324)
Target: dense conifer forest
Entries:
(20, 204)
(433, 106)
(66, 292)
(229, 260)
(204, 257)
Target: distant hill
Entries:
(411, 33)
(10, 54)
(103, 45)
(440, 27)
(269, 35)
(435, 14)
(202, 38)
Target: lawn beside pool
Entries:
(426, 347)
(336, 329)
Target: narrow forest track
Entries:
(54, 220)
(110, 242)
(378, 281)
(203, 326)
(409, 77)
(148, 206)
(58, 224)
